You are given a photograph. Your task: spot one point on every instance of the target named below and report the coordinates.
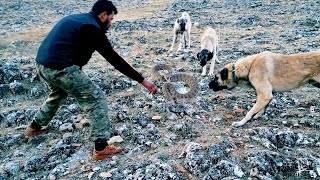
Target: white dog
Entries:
(182, 26)
(209, 47)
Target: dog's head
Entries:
(226, 78)
(204, 56)
(182, 23)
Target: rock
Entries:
(313, 174)
(173, 117)
(12, 168)
(124, 131)
(37, 92)
(239, 110)
(197, 24)
(15, 139)
(275, 150)
(105, 175)
(34, 164)
(151, 144)
(83, 123)
(4, 89)
(227, 168)
(15, 117)
(11, 72)
(1, 118)
(90, 175)
(157, 117)
(122, 116)
(287, 139)
(115, 139)
(254, 172)
(66, 127)
(16, 87)
(217, 152)
(97, 168)
(30, 113)
(182, 129)
(3, 174)
(74, 108)
(317, 166)
(180, 168)
(142, 119)
(196, 161)
(52, 177)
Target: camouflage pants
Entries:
(72, 81)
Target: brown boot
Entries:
(35, 130)
(108, 152)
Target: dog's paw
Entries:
(203, 74)
(186, 50)
(257, 116)
(210, 74)
(237, 124)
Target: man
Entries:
(67, 48)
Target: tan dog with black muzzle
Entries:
(209, 48)
(269, 72)
(182, 27)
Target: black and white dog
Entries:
(209, 46)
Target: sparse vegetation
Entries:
(285, 137)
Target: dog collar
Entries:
(234, 76)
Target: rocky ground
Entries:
(166, 139)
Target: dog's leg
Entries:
(314, 83)
(212, 66)
(217, 60)
(189, 38)
(204, 70)
(216, 52)
(185, 41)
(173, 41)
(260, 113)
(214, 59)
(264, 97)
(181, 42)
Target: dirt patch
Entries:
(283, 144)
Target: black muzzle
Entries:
(203, 62)
(214, 85)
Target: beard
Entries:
(106, 25)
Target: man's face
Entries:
(107, 20)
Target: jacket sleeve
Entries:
(99, 41)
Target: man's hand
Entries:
(150, 86)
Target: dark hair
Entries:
(104, 5)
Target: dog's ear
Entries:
(198, 55)
(210, 55)
(224, 74)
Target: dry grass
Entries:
(30, 35)
(210, 132)
(146, 10)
